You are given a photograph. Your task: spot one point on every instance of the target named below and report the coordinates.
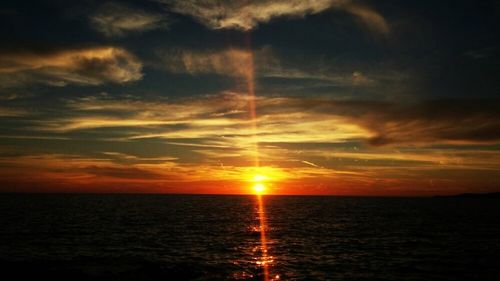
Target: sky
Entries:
(333, 97)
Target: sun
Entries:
(259, 187)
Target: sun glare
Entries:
(259, 188)
(259, 178)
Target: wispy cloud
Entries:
(370, 18)
(87, 66)
(434, 122)
(224, 117)
(247, 15)
(230, 62)
(11, 112)
(303, 141)
(115, 20)
(264, 63)
(213, 116)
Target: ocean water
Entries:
(199, 237)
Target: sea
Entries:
(218, 237)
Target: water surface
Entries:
(199, 237)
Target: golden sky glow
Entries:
(299, 152)
(310, 97)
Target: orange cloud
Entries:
(247, 15)
(231, 62)
(116, 20)
(369, 17)
(91, 66)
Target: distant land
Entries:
(471, 195)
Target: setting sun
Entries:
(301, 139)
(259, 188)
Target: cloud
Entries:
(430, 122)
(311, 139)
(210, 116)
(85, 66)
(11, 112)
(231, 62)
(369, 17)
(122, 172)
(222, 120)
(439, 121)
(78, 168)
(247, 15)
(263, 63)
(116, 20)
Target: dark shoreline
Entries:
(471, 195)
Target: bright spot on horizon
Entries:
(259, 188)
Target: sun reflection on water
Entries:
(265, 260)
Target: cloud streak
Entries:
(85, 66)
(117, 20)
(231, 62)
(370, 18)
(434, 122)
(239, 62)
(322, 119)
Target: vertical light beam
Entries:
(265, 258)
(252, 112)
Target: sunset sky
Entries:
(337, 97)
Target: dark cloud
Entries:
(426, 122)
(461, 121)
